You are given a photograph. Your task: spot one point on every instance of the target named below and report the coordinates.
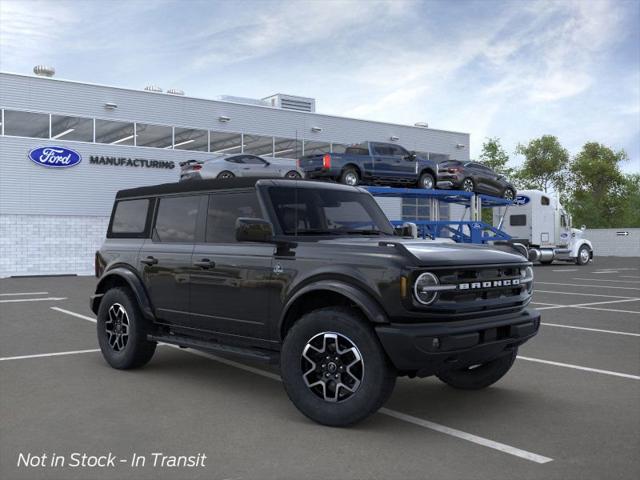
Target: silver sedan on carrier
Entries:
(243, 165)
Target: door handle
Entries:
(204, 263)
(149, 260)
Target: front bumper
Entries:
(430, 348)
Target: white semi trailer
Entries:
(538, 221)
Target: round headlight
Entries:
(424, 290)
(526, 274)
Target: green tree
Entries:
(495, 157)
(630, 215)
(545, 164)
(599, 194)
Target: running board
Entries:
(256, 354)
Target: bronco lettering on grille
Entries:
(513, 282)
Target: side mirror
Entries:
(253, 230)
(407, 229)
(411, 156)
(583, 228)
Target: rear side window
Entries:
(544, 201)
(130, 218)
(224, 210)
(176, 219)
(518, 220)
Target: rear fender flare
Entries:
(132, 280)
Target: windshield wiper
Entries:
(365, 232)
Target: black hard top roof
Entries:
(218, 184)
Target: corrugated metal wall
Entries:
(613, 242)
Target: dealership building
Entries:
(52, 219)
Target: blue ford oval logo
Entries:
(55, 157)
(521, 200)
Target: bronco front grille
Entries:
(481, 290)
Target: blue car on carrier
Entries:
(372, 162)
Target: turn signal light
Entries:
(326, 161)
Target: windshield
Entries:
(323, 211)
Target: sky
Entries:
(509, 69)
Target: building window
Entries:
(26, 124)
(71, 128)
(191, 139)
(415, 209)
(316, 148)
(287, 148)
(225, 143)
(157, 136)
(114, 133)
(258, 145)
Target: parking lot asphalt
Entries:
(569, 408)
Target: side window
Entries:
(398, 151)
(130, 218)
(518, 220)
(544, 201)
(224, 210)
(563, 220)
(235, 159)
(381, 149)
(176, 219)
(253, 160)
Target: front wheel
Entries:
(583, 255)
(333, 367)
(122, 331)
(509, 194)
(476, 377)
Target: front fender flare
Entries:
(132, 280)
(369, 306)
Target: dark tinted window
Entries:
(309, 211)
(224, 209)
(544, 201)
(356, 151)
(130, 216)
(234, 160)
(518, 220)
(253, 160)
(176, 219)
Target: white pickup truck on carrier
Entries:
(538, 221)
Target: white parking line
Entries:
(615, 332)
(584, 294)
(605, 280)
(634, 312)
(566, 270)
(55, 354)
(583, 305)
(74, 314)
(533, 457)
(607, 271)
(47, 299)
(629, 276)
(587, 286)
(23, 293)
(579, 367)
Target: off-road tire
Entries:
(378, 375)
(137, 350)
(481, 376)
(424, 178)
(347, 175)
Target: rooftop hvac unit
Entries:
(44, 71)
(291, 102)
(175, 91)
(153, 88)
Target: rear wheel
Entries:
(584, 255)
(225, 174)
(350, 177)
(122, 331)
(334, 368)
(468, 185)
(479, 376)
(426, 181)
(293, 175)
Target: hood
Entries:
(435, 253)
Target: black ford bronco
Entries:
(311, 276)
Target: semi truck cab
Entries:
(539, 221)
